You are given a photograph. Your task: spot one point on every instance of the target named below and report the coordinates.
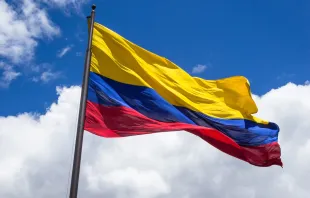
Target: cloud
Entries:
(44, 73)
(22, 27)
(75, 4)
(36, 156)
(286, 76)
(78, 54)
(64, 51)
(8, 75)
(199, 69)
(47, 76)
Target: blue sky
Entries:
(265, 41)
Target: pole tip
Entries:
(93, 7)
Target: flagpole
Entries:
(81, 119)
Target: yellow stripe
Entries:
(121, 60)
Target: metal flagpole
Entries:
(81, 119)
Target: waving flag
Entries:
(133, 91)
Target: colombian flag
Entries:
(133, 91)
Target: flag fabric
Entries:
(133, 91)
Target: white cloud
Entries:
(64, 51)
(21, 28)
(24, 23)
(8, 75)
(143, 179)
(36, 68)
(66, 3)
(78, 54)
(199, 69)
(36, 155)
(44, 73)
(285, 76)
(47, 76)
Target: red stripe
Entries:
(123, 121)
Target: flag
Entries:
(133, 91)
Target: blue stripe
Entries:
(144, 100)
(148, 102)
